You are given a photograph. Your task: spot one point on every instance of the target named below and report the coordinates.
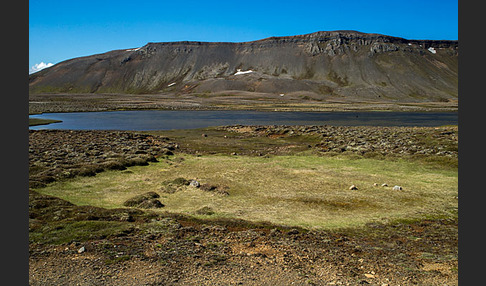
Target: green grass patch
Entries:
(297, 190)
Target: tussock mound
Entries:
(145, 201)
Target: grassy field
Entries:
(298, 190)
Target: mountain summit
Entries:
(346, 64)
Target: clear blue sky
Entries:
(60, 30)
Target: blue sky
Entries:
(61, 30)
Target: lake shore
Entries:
(46, 103)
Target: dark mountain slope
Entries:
(338, 63)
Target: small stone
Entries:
(384, 185)
(81, 250)
(369, 275)
(397, 188)
(375, 184)
(353, 187)
(194, 183)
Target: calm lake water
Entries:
(142, 120)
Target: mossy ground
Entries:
(301, 190)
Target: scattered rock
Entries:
(353, 187)
(81, 250)
(384, 185)
(366, 139)
(194, 183)
(397, 188)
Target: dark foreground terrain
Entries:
(86, 245)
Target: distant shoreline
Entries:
(230, 100)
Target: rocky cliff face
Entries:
(338, 63)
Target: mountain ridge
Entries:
(343, 63)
